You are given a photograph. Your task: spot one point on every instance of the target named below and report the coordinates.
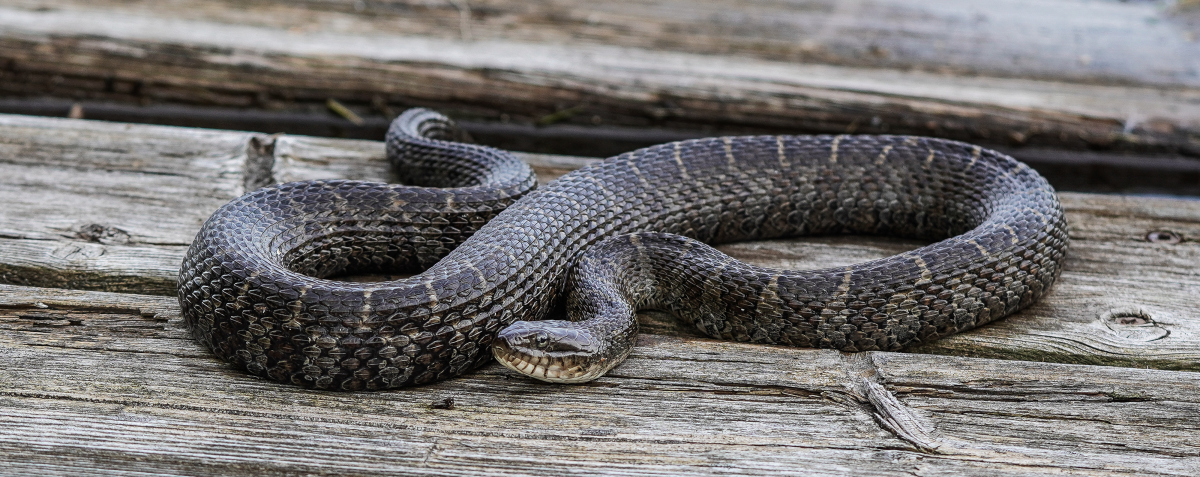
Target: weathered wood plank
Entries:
(1064, 40)
(1121, 301)
(102, 206)
(112, 383)
(108, 206)
(876, 66)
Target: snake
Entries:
(548, 280)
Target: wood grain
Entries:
(1065, 40)
(108, 206)
(1073, 76)
(97, 382)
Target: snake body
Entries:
(619, 235)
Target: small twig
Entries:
(446, 403)
(343, 111)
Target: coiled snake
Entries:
(617, 236)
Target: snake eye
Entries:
(541, 340)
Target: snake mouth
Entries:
(546, 367)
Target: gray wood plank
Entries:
(1075, 74)
(1121, 301)
(105, 205)
(1066, 40)
(98, 382)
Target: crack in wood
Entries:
(892, 415)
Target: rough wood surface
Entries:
(108, 206)
(1096, 41)
(113, 207)
(1077, 74)
(97, 382)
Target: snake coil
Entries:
(618, 236)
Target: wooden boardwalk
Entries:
(110, 381)
(98, 375)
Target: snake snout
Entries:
(551, 337)
(552, 350)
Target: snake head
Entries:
(554, 351)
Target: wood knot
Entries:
(104, 234)
(1163, 236)
(1134, 323)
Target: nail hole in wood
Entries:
(1130, 319)
(1134, 323)
(1163, 236)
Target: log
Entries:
(1072, 76)
(113, 207)
(97, 382)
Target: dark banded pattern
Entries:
(252, 289)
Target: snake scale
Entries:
(496, 256)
